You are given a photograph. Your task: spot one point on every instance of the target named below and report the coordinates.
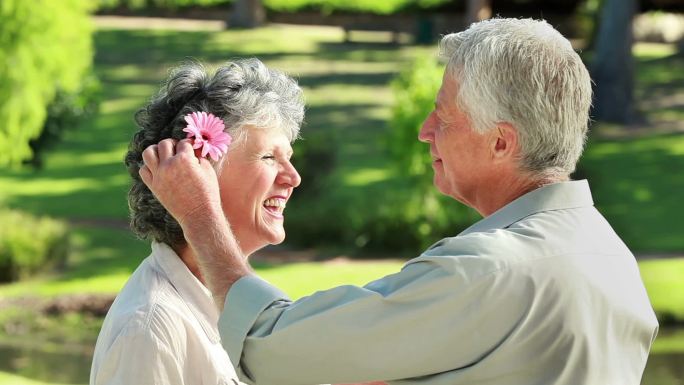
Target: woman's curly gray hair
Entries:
(244, 93)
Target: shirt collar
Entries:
(195, 295)
(556, 196)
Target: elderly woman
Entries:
(162, 327)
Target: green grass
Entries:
(665, 286)
(669, 342)
(103, 260)
(7, 378)
(637, 183)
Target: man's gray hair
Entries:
(523, 72)
(244, 93)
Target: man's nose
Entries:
(427, 130)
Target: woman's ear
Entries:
(504, 142)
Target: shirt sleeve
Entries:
(139, 358)
(437, 314)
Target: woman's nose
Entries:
(289, 175)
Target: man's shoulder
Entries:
(528, 241)
(490, 243)
(477, 253)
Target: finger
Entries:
(145, 175)
(205, 163)
(184, 146)
(166, 149)
(151, 157)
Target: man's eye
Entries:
(268, 157)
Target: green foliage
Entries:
(30, 244)
(45, 46)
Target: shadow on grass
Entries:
(150, 47)
(104, 251)
(346, 79)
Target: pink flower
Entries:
(208, 132)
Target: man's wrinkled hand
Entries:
(185, 185)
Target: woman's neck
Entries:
(188, 257)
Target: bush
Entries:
(65, 111)
(315, 157)
(422, 212)
(404, 212)
(308, 221)
(30, 244)
(45, 46)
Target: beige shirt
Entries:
(161, 329)
(542, 292)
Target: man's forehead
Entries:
(447, 93)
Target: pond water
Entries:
(62, 367)
(73, 365)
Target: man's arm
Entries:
(187, 187)
(438, 316)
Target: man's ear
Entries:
(504, 144)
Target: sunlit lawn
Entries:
(7, 378)
(103, 259)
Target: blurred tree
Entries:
(613, 65)
(247, 14)
(45, 46)
(477, 10)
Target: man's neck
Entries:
(504, 190)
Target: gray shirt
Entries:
(541, 292)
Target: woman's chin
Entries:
(273, 237)
(278, 238)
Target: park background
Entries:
(73, 72)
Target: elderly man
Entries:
(540, 291)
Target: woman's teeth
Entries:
(275, 204)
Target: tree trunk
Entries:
(477, 10)
(247, 14)
(613, 65)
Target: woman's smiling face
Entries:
(256, 181)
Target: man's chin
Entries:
(439, 185)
